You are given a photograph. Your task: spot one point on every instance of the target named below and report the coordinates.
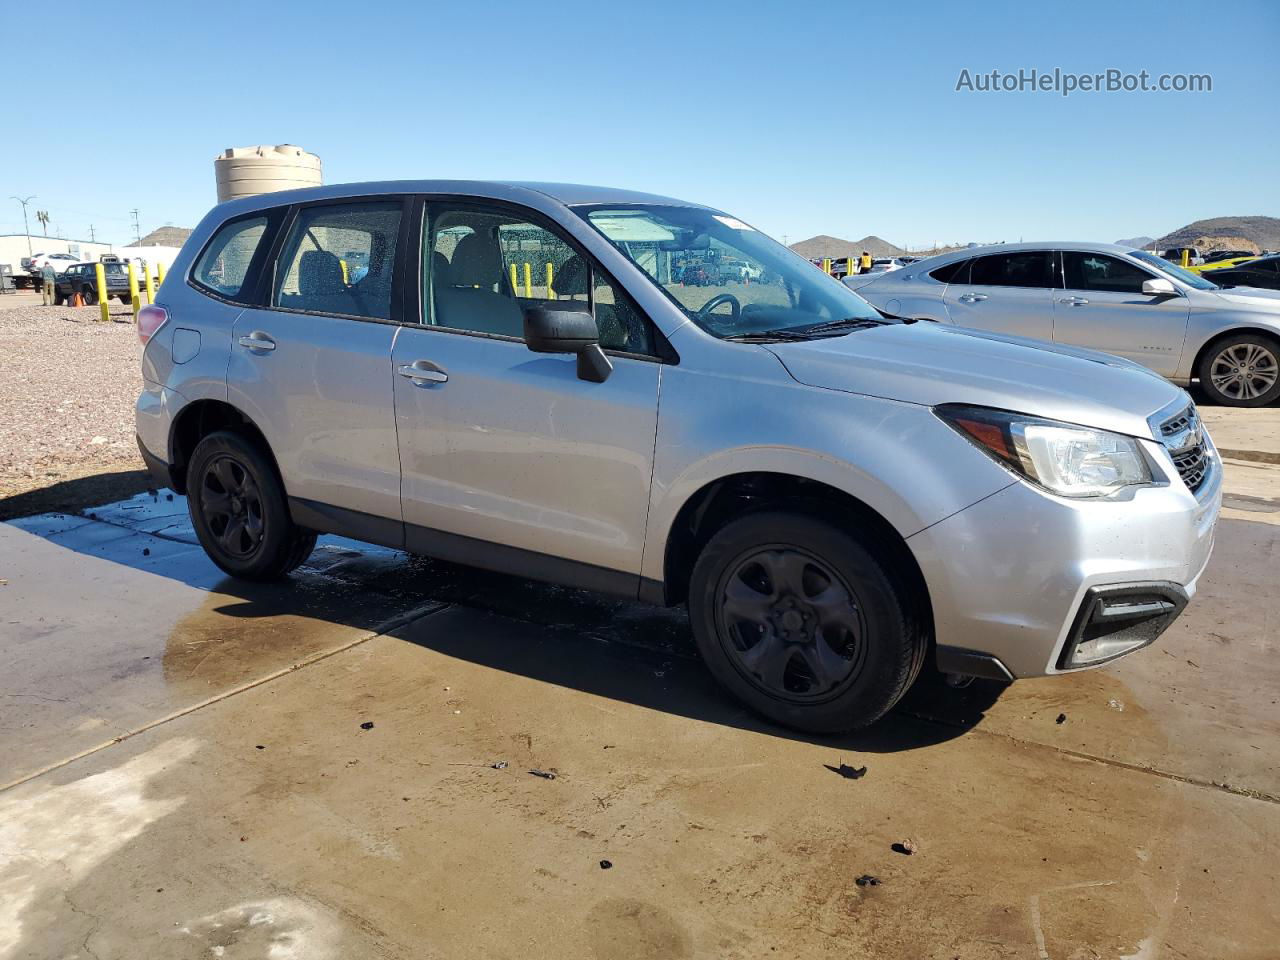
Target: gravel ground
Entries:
(68, 383)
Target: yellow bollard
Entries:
(151, 287)
(100, 273)
(346, 276)
(159, 274)
(515, 282)
(133, 291)
(528, 281)
(826, 265)
(551, 294)
(1186, 258)
(848, 266)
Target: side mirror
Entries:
(568, 327)
(1159, 287)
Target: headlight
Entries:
(1065, 459)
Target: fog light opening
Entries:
(1114, 621)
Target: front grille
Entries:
(1183, 436)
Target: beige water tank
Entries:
(249, 171)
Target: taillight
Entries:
(150, 319)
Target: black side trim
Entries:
(324, 518)
(470, 551)
(159, 469)
(971, 663)
(521, 563)
(654, 592)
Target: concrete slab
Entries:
(1245, 434)
(726, 838)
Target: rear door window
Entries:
(340, 259)
(957, 272)
(1023, 269)
(224, 265)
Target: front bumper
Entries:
(1015, 579)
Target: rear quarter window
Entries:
(224, 265)
(950, 272)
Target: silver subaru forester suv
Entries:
(584, 385)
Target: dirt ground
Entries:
(67, 389)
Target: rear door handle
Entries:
(257, 341)
(423, 371)
(1074, 301)
(972, 297)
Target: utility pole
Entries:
(25, 228)
(92, 238)
(43, 217)
(137, 233)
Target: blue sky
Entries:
(794, 117)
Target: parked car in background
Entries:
(1205, 267)
(1263, 272)
(1174, 255)
(59, 262)
(82, 278)
(1127, 302)
(1217, 256)
(837, 496)
(885, 264)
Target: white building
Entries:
(13, 247)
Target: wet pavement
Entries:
(200, 768)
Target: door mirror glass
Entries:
(567, 327)
(1158, 287)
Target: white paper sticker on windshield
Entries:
(733, 223)
(636, 229)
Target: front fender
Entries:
(896, 458)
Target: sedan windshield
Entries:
(730, 279)
(1173, 270)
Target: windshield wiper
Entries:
(765, 336)
(848, 323)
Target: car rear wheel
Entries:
(1242, 370)
(803, 623)
(238, 509)
(58, 298)
(90, 296)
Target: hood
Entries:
(931, 364)
(1250, 298)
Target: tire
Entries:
(90, 297)
(766, 633)
(238, 509)
(123, 298)
(1241, 370)
(58, 299)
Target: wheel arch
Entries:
(735, 495)
(1214, 340)
(197, 420)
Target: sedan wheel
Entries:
(1242, 372)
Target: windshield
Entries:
(727, 277)
(1173, 270)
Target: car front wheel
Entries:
(1242, 370)
(803, 623)
(238, 509)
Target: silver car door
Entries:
(1101, 305)
(1004, 293)
(509, 459)
(312, 368)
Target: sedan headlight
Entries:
(1066, 459)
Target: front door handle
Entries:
(1074, 301)
(257, 340)
(423, 371)
(972, 297)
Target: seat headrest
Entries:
(571, 279)
(477, 261)
(319, 274)
(439, 269)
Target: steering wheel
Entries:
(704, 312)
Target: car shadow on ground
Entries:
(626, 651)
(75, 494)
